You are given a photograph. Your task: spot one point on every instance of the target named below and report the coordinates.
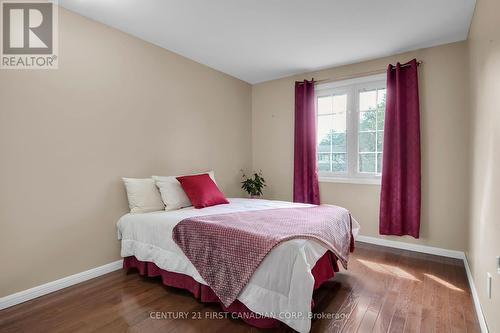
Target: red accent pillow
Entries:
(202, 191)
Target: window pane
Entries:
(325, 105)
(325, 127)
(380, 141)
(381, 97)
(367, 100)
(367, 121)
(324, 162)
(339, 122)
(367, 142)
(367, 163)
(380, 120)
(339, 103)
(379, 162)
(339, 162)
(338, 142)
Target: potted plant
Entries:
(253, 185)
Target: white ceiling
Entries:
(260, 40)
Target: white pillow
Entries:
(143, 195)
(172, 194)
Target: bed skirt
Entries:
(324, 269)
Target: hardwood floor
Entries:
(384, 290)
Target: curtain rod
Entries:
(356, 75)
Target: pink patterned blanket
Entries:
(226, 249)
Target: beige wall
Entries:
(444, 145)
(68, 135)
(484, 232)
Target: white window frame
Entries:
(353, 87)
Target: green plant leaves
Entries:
(253, 185)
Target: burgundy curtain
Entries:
(400, 193)
(305, 176)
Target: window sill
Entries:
(365, 181)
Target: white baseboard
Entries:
(412, 247)
(47, 288)
(475, 297)
(438, 252)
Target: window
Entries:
(350, 131)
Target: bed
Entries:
(280, 288)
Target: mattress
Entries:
(280, 288)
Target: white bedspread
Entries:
(282, 285)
